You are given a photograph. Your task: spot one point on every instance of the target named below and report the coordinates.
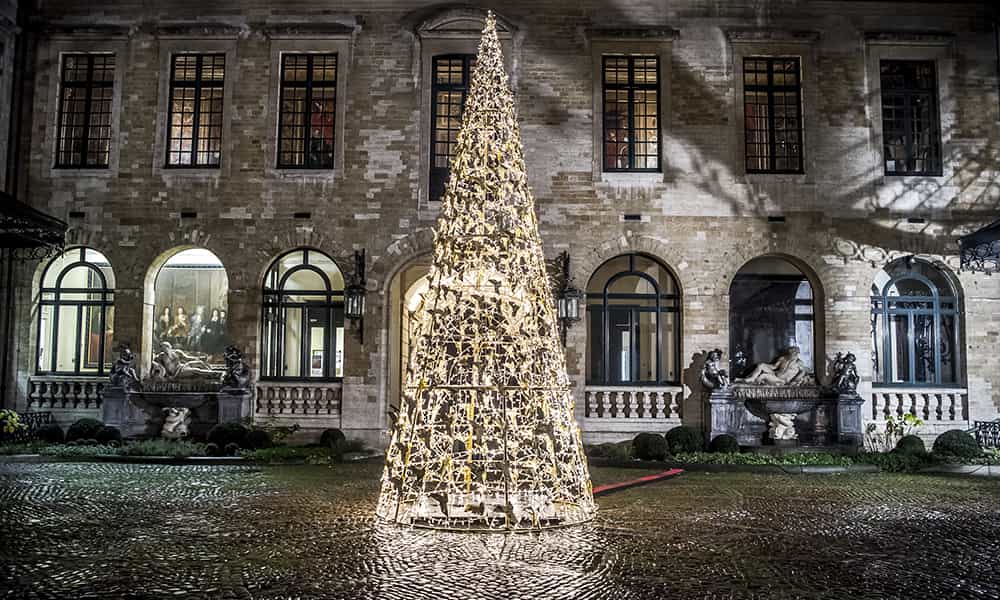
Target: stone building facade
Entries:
(703, 209)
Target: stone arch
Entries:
(583, 265)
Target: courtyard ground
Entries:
(95, 530)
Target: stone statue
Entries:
(175, 423)
(123, 373)
(713, 376)
(237, 372)
(173, 363)
(845, 373)
(782, 426)
(787, 370)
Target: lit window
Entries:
(772, 115)
(307, 111)
(631, 113)
(195, 131)
(76, 314)
(451, 78)
(85, 95)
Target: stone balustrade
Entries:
(616, 402)
(932, 405)
(65, 392)
(286, 399)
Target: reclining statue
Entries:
(173, 363)
(787, 370)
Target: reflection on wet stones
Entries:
(151, 531)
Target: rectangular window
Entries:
(911, 130)
(85, 94)
(772, 112)
(631, 87)
(195, 132)
(451, 77)
(307, 111)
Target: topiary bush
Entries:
(649, 446)
(332, 438)
(108, 434)
(958, 443)
(224, 434)
(213, 450)
(684, 439)
(257, 439)
(724, 444)
(88, 442)
(50, 433)
(232, 449)
(83, 429)
(910, 444)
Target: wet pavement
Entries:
(92, 530)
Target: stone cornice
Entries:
(309, 30)
(909, 37)
(642, 34)
(753, 35)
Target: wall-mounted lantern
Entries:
(567, 297)
(354, 294)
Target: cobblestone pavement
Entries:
(91, 530)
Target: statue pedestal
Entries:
(849, 429)
(233, 405)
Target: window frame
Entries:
(770, 89)
(467, 60)
(198, 83)
(274, 299)
(89, 85)
(105, 302)
(663, 301)
(907, 94)
(631, 87)
(308, 85)
(880, 311)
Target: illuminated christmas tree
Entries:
(485, 436)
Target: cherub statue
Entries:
(713, 376)
(123, 373)
(173, 363)
(175, 423)
(782, 426)
(237, 372)
(845, 373)
(787, 369)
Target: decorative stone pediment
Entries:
(460, 22)
(756, 35)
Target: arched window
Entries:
(915, 325)
(76, 314)
(191, 306)
(303, 318)
(633, 321)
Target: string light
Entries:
(485, 437)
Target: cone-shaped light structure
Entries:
(485, 437)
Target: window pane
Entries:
(66, 332)
(196, 110)
(293, 342)
(45, 315)
(86, 86)
(771, 112)
(910, 126)
(631, 114)
(645, 336)
(899, 359)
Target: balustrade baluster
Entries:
(633, 403)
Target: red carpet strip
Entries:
(611, 488)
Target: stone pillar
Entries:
(849, 429)
(724, 414)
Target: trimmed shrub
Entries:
(332, 438)
(212, 450)
(684, 439)
(50, 433)
(224, 434)
(83, 429)
(257, 439)
(649, 446)
(724, 444)
(910, 444)
(956, 442)
(109, 434)
(232, 449)
(89, 442)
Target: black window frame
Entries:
(631, 87)
(438, 176)
(88, 111)
(770, 88)
(198, 83)
(665, 303)
(936, 305)
(272, 356)
(907, 94)
(105, 302)
(309, 85)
